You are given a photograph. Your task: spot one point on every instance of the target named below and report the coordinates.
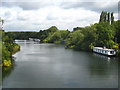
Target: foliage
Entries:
(115, 47)
(103, 16)
(91, 46)
(107, 17)
(8, 49)
(57, 36)
(78, 28)
(90, 37)
(74, 39)
(82, 39)
(105, 35)
(43, 34)
(21, 35)
(116, 29)
(7, 63)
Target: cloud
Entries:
(7, 14)
(42, 15)
(27, 5)
(49, 16)
(94, 6)
(89, 5)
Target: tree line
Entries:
(104, 33)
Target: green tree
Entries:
(116, 29)
(105, 35)
(108, 18)
(74, 39)
(8, 49)
(112, 18)
(90, 37)
(103, 16)
(52, 29)
(59, 35)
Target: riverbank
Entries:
(8, 47)
(7, 52)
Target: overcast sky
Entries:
(35, 15)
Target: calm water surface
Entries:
(53, 66)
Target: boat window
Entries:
(102, 51)
(105, 51)
(99, 50)
(111, 52)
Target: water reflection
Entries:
(103, 56)
(102, 65)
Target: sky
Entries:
(35, 15)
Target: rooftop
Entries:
(103, 48)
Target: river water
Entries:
(52, 66)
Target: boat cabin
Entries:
(105, 51)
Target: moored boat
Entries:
(37, 40)
(31, 39)
(34, 39)
(104, 51)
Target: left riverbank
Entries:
(8, 47)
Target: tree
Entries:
(59, 35)
(116, 29)
(105, 35)
(90, 37)
(74, 39)
(103, 17)
(8, 48)
(77, 28)
(108, 18)
(52, 29)
(112, 18)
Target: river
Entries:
(52, 66)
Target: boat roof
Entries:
(103, 48)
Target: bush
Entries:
(45, 41)
(115, 47)
(7, 63)
(71, 47)
(57, 42)
(91, 46)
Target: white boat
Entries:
(37, 40)
(31, 39)
(104, 51)
(34, 39)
